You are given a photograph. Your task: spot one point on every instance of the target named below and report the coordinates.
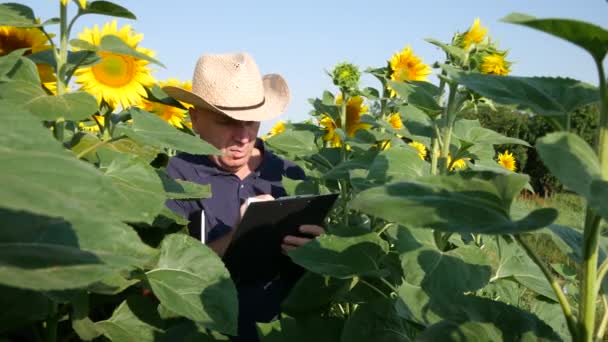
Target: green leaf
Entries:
(375, 321)
(139, 189)
(108, 8)
(145, 152)
(20, 307)
(81, 323)
(293, 143)
(464, 331)
(467, 268)
(453, 51)
(399, 163)
(73, 106)
(342, 257)
(467, 202)
(84, 251)
(17, 15)
(515, 263)
(192, 281)
(301, 329)
(135, 319)
(546, 96)
(24, 70)
(313, 293)
(590, 37)
(181, 189)
(419, 94)
(149, 129)
(480, 135)
(570, 159)
(113, 44)
(8, 62)
(189, 331)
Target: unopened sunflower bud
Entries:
(346, 76)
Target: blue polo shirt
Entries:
(259, 299)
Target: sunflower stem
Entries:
(63, 48)
(448, 124)
(602, 328)
(563, 301)
(434, 153)
(591, 233)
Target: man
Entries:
(230, 98)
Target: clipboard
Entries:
(255, 249)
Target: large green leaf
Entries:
(108, 8)
(570, 159)
(454, 51)
(149, 129)
(471, 202)
(480, 135)
(113, 44)
(181, 189)
(590, 37)
(301, 329)
(20, 307)
(375, 321)
(420, 94)
(543, 95)
(342, 257)
(83, 251)
(469, 318)
(188, 331)
(192, 281)
(135, 319)
(399, 163)
(515, 263)
(293, 143)
(138, 187)
(16, 15)
(73, 106)
(8, 62)
(313, 293)
(467, 268)
(24, 70)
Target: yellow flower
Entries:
(330, 126)
(395, 121)
(278, 128)
(458, 164)
(82, 3)
(14, 38)
(420, 147)
(92, 126)
(507, 160)
(173, 115)
(475, 34)
(495, 64)
(354, 110)
(117, 79)
(405, 66)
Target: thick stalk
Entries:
(51, 325)
(563, 301)
(602, 328)
(343, 182)
(434, 154)
(591, 235)
(63, 49)
(448, 125)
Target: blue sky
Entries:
(302, 39)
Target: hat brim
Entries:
(276, 99)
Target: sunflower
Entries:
(395, 121)
(173, 115)
(330, 126)
(495, 64)
(92, 126)
(475, 34)
(278, 128)
(458, 164)
(420, 147)
(14, 38)
(405, 66)
(117, 79)
(507, 160)
(82, 3)
(354, 110)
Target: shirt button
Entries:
(242, 186)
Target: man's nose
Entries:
(241, 133)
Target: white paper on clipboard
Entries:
(203, 233)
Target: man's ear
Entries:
(193, 118)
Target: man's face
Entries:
(234, 138)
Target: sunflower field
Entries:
(423, 244)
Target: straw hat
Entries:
(232, 84)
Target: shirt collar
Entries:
(208, 167)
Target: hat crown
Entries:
(228, 80)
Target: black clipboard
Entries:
(255, 249)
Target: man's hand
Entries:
(291, 242)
